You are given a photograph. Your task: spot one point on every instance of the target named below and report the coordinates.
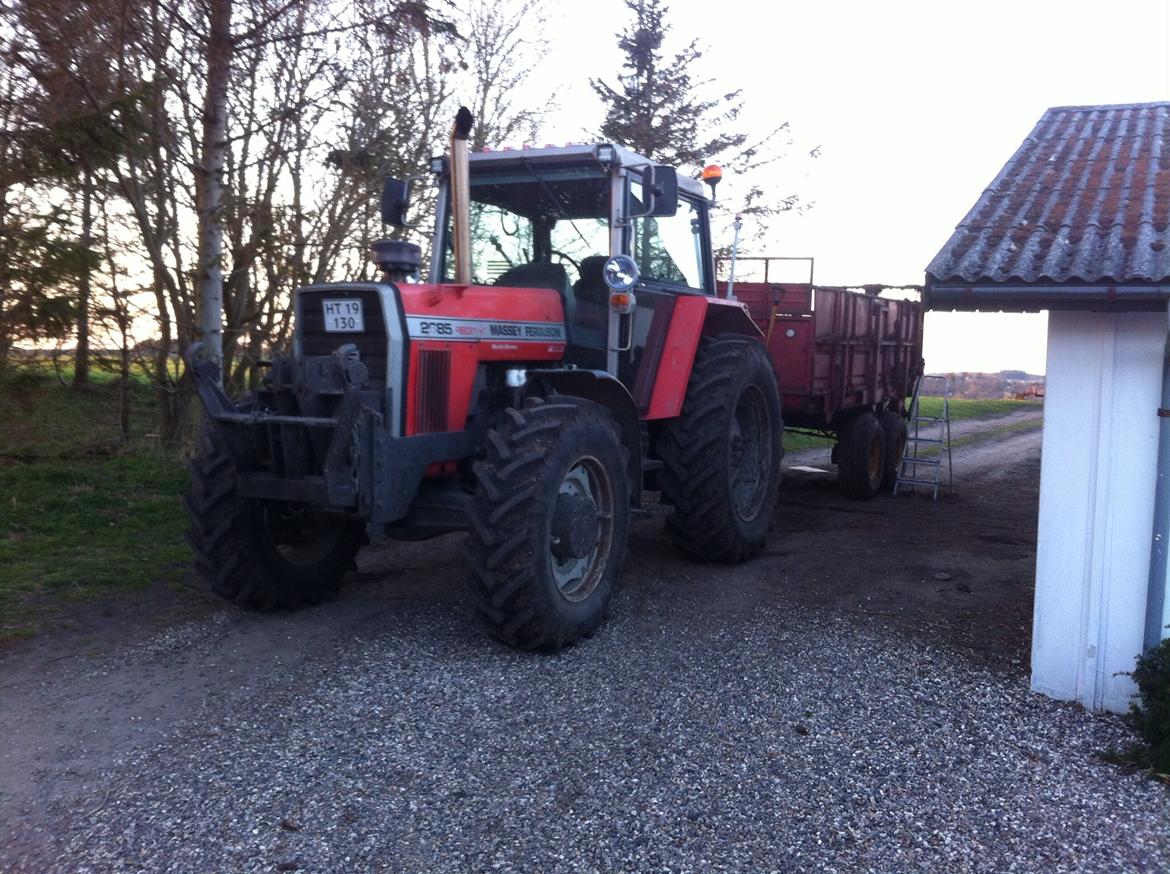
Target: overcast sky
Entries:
(915, 106)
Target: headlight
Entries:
(621, 273)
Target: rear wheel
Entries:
(861, 457)
(722, 455)
(264, 555)
(549, 523)
(894, 433)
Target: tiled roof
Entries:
(1084, 200)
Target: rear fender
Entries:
(694, 318)
(601, 388)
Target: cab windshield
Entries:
(522, 219)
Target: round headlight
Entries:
(621, 273)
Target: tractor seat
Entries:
(543, 274)
(591, 285)
(592, 296)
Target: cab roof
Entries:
(604, 155)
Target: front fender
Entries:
(601, 388)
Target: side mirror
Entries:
(659, 192)
(395, 200)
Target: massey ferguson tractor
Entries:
(566, 354)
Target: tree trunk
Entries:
(5, 339)
(124, 377)
(209, 181)
(81, 356)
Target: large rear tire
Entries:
(894, 433)
(549, 523)
(263, 555)
(861, 458)
(722, 455)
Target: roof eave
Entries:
(1027, 297)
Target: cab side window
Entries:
(668, 248)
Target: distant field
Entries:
(976, 409)
(959, 409)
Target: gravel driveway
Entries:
(721, 721)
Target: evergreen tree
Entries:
(657, 109)
(661, 110)
(67, 121)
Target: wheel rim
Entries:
(578, 576)
(301, 537)
(750, 469)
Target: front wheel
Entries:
(722, 456)
(549, 523)
(265, 555)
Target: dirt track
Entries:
(957, 572)
(955, 575)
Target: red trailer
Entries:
(847, 360)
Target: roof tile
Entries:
(1085, 199)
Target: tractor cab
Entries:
(559, 218)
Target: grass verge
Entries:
(84, 512)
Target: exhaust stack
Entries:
(461, 195)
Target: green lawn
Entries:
(76, 523)
(82, 511)
(795, 442)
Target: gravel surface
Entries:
(854, 699)
(772, 739)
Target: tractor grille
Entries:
(371, 343)
(434, 388)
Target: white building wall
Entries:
(1097, 478)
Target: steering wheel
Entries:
(565, 257)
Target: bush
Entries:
(1151, 714)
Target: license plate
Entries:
(344, 316)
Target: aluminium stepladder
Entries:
(923, 457)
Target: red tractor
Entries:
(566, 354)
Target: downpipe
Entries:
(1160, 546)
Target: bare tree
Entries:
(262, 132)
(503, 52)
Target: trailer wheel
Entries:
(549, 523)
(722, 456)
(861, 458)
(260, 554)
(894, 434)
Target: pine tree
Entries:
(68, 122)
(657, 109)
(660, 110)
